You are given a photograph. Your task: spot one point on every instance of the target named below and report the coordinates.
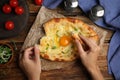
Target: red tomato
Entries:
(13, 3)
(19, 10)
(38, 2)
(7, 9)
(9, 25)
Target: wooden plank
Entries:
(74, 74)
(32, 7)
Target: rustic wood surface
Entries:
(76, 72)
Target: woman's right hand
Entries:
(89, 57)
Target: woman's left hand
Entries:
(30, 63)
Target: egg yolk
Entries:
(65, 40)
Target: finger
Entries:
(20, 56)
(37, 52)
(90, 43)
(27, 53)
(29, 49)
(79, 46)
(20, 59)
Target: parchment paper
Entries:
(36, 32)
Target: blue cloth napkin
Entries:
(111, 20)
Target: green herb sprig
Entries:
(5, 54)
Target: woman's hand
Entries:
(30, 63)
(89, 57)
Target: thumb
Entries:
(37, 52)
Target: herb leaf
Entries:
(54, 47)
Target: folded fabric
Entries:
(51, 3)
(111, 20)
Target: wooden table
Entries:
(13, 72)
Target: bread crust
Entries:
(51, 25)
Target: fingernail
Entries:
(37, 49)
(79, 35)
(76, 40)
(37, 46)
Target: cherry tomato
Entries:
(19, 10)
(38, 2)
(9, 25)
(13, 3)
(7, 9)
